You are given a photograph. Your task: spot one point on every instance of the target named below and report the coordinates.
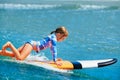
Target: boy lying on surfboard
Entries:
(50, 41)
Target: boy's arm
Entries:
(54, 52)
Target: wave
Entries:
(45, 66)
(92, 7)
(56, 6)
(38, 57)
(26, 6)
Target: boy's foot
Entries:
(0, 52)
(5, 46)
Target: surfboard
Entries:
(71, 65)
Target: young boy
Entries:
(50, 41)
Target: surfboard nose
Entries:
(102, 64)
(93, 63)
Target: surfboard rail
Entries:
(80, 64)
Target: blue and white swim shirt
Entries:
(49, 41)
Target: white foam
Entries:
(26, 6)
(42, 57)
(39, 58)
(84, 7)
(46, 6)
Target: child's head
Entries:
(61, 33)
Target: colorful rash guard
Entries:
(49, 41)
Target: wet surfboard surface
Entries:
(70, 65)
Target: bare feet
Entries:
(0, 52)
(5, 46)
(4, 52)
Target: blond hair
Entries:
(61, 30)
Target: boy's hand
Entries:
(58, 63)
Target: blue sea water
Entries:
(93, 34)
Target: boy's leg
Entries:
(10, 53)
(24, 51)
(7, 53)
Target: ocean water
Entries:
(93, 34)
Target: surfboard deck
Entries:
(79, 64)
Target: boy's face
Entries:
(61, 37)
